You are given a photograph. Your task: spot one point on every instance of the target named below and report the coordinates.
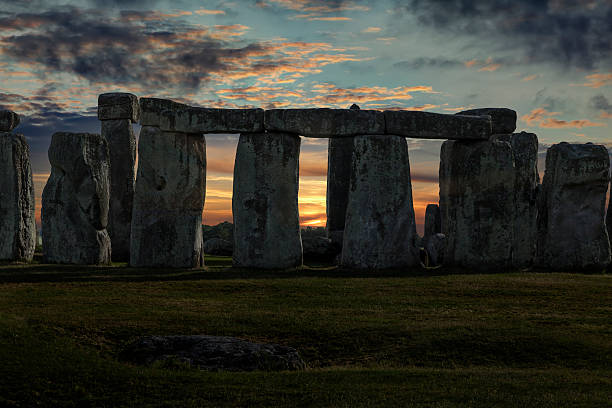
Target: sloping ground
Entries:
(379, 339)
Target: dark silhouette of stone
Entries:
(265, 201)
(435, 247)
(339, 156)
(319, 249)
(433, 221)
(503, 119)
(8, 120)
(380, 229)
(218, 246)
(118, 105)
(168, 200)
(213, 353)
(571, 227)
(477, 182)
(427, 125)
(17, 222)
(75, 200)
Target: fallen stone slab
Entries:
(477, 180)
(118, 105)
(265, 201)
(213, 353)
(571, 229)
(503, 119)
(168, 200)
(427, 125)
(380, 228)
(17, 221)
(8, 120)
(75, 200)
(324, 122)
(177, 117)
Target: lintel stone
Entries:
(503, 119)
(118, 105)
(428, 125)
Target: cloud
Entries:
(203, 11)
(596, 80)
(428, 62)
(529, 78)
(329, 94)
(601, 104)
(372, 30)
(544, 119)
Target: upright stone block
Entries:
(265, 201)
(17, 222)
(433, 221)
(477, 203)
(75, 200)
(168, 200)
(571, 228)
(117, 130)
(339, 156)
(380, 229)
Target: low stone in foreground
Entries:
(213, 353)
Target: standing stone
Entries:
(17, 222)
(117, 111)
(571, 227)
(265, 201)
(477, 203)
(75, 200)
(609, 219)
(380, 228)
(525, 153)
(8, 120)
(168, 200)
(433, 221)
(434, 246)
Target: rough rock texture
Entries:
(118, 105)
(265, 201)
(75, 200)
(427, 125)
(8, 120)
(17, 222)
(177, 117)
(435, 247)
(433, 221)
(477, 203)
(339, 156)
(525, 154)
(325, 122)
(319, 249)
(571, 228)
(609, 220)
(219, 247)
(380, 228)
(122, 152)
(168, 200)
(213, 353)
(503, 119)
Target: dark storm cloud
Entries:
(600, 103)
(567, 33)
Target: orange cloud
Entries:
(329, 94)
(529, 78)
(209, 12)
(543, 118)
(596, 80)
(470, 63)
(372, 30)
(490, 68)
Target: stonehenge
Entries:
(433, 221)
(571, 229)
(380, 228)
(265, 201)
(75, 200)
(17, 218)
(166, 229)
(117, 111)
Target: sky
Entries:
(550, 60)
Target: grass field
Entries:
(369, 339)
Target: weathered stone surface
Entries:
(213, 353)
(477, 203)
(380, 228)
(218, 246)
(319, 249)
(571, 228)
(503, 119)
(265, 201)
(609, 220)
(8, 120)
(122, 149)
(427, 125)
(324, 122)
(118, 105)
(339, 157)
(525, 154)
(75, 200)
(17, 222)
(176, 117)
(433, 221)
(168, 200)
(435, 246)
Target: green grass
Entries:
(369, 338)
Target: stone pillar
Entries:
(339, 154)
(571, 228)
(433, 222)
(380, 228)
(17, 221)
(477, 203)
(75, 200)
(168, 200)
(265, 201)
(117, 111)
